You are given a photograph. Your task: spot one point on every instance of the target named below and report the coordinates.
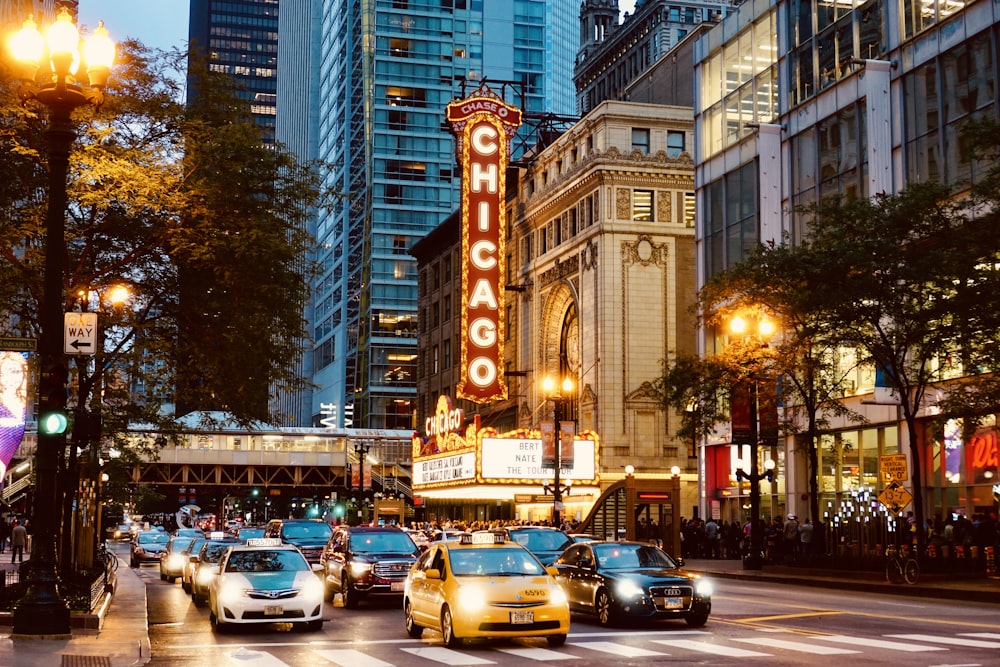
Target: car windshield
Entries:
(316, 529)
(630, 556)
(154, 538)
(180, 544)
(266, 561)
(380, 543)
(248, 533)
(212, 552)
(541, 540)
(494, 563)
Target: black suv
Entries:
(367, 561)
(309, 535)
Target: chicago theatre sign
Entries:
(483, 125)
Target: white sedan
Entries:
(265, 581)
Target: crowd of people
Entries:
(784, 540)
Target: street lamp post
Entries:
(558, 396)
(42, 611)
(758, 331)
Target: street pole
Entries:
(42, 611)
(753, 561)
(557, 503)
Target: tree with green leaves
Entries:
(201, 220)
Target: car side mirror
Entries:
(432, 573)
(552, 570)
(193, 559)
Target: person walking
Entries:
(18, 541)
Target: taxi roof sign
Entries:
(264, 542)
(483, 538)
(216, 535)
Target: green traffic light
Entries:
(53, 423)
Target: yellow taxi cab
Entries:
(484, 586)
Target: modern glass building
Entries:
(240, 38)
(386, 71)
(800, 100)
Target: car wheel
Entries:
(163, 577)
(448, 629)
(185, 586)
(313, 626)
(132, 563)
(696, 620)
(556, 640)
(412, 628)
(196, 599)
(171, 579)
(602, 607)
(217, 625)
(349, 597)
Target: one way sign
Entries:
(80, 333)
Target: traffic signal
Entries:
(53, 387)
(53, 422)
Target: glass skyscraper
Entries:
(387, 69)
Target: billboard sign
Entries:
(483, 125)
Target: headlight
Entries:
(205, 575)
(470, 599)
(313, 588)
(703, 587)
(175, 561)
(558, 596)
(230, 592)
(359, 569)
(628, 589)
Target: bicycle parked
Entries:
(901, 567)
(110, 563)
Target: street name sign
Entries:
(80, 333)
(18, 344)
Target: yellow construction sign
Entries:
(895, 497)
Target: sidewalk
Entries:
(950, 587)
(121, 641)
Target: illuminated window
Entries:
(642, 205)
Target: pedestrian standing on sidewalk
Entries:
(18, 540)
(4, 533)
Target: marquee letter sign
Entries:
(483, 125)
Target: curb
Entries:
(92, 620)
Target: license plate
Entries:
(521, 617)
(273, 610)
(673, 603)
(397, 586)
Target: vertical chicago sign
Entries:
(483, 125)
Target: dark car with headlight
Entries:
(148, 546)
(367, 561)
(309, 535)
(616, 581)
(175, 557)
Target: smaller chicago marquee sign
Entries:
(483, 125)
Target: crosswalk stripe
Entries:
(446, 656)
(967, 642)
(880, 643)
(350, 658)
(540, 654)
(251, 658)
(715, 649)
(618, 649)
(772, 642)
(981, 635)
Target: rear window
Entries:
(297, 531)
(154, 538)
(541, 540)
(213, 551)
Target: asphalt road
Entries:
(756, 623)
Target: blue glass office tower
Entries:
(387, 69)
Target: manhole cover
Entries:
(86, 661)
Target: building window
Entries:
(435, 314)
(689, 208)
(436, 276)
(446, 359)
(642, 205)
(446, 306)
(675, 144)
(640, 139)
(399, 244)
(435, 360)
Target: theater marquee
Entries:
(483, 125)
